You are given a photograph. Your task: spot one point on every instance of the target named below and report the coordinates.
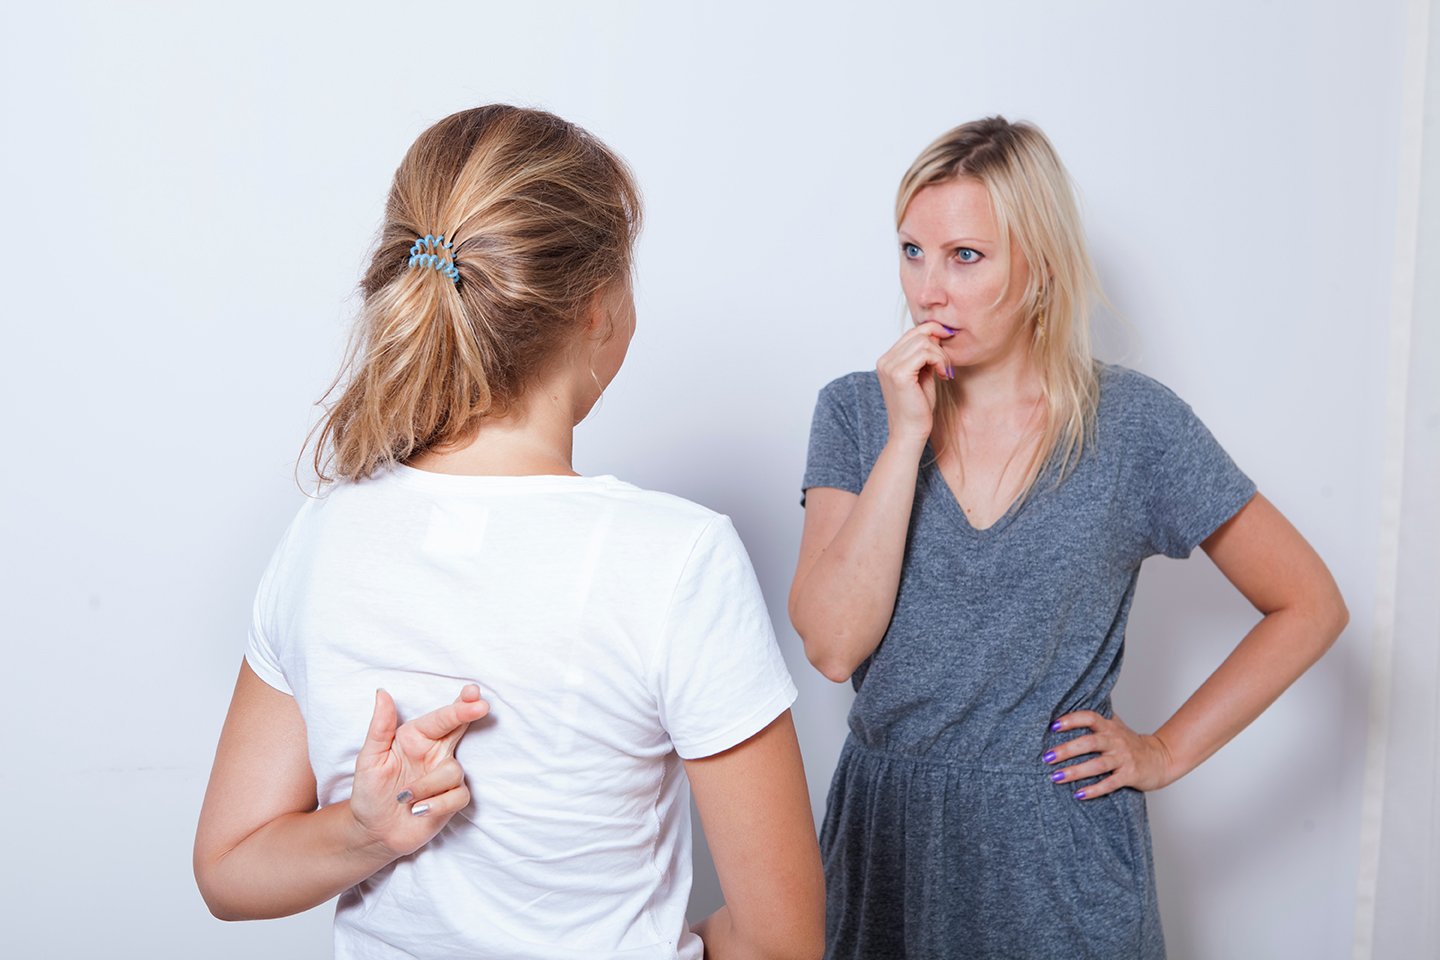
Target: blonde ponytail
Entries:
(539, 216)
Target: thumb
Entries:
(927, 377)
(382, 728)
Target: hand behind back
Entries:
(408, 783)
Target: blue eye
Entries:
(967, 255)
(910, 250)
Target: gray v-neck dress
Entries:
(943, 836)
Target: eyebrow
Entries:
(960, 241)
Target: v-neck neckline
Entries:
(942, 488)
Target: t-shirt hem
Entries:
(830, 480)
(737, 733)
(269, 674)
(1214, 519)
(839, 483)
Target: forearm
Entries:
(292, 863)
(844, 605)
(1282, 646)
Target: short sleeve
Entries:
(720, 678)
(260, 650)
(833, 458)
(1194, 486)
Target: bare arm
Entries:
(755, 808)
(262, 849)
(848, 575)
(1277, 570)
(852, 547)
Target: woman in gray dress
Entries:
(978, 507)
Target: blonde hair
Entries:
(1031, 196)
(541, 217)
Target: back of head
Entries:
(501, 227)
(1033, 203)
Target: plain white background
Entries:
(190, 195)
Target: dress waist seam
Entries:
(951, 763)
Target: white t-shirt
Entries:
(613, 630)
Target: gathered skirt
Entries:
(933, 859)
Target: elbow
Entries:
(826, 658)
(220, 913)
(1330, 614)
(1327, 616)
(215, 900)
(221, 908)
(831, 668)
(210, 880)
(1336, 617)
(822, 654)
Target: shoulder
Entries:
(852, 386)
(854, 395)
(666, 521)
(1131, 402)
(1148, 423)
(1130, 389)
(660, 507)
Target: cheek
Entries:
(909, 281)
(986, 289)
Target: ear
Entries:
(597, 315)
(600, 314)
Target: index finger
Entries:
(1080, 718)
(470, 693)
(440, 723)
(935, 329)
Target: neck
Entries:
(535, 438)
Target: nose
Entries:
(932, 291)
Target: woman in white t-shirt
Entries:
(618, 634)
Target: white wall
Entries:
(191, 193)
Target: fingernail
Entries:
(1057, 776)
(404, 796)
(1049, 757)
(947, 329)
(949, 372)
(1079, 794)
(1057, 725)
(420, 809)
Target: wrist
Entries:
(910, 443)
(1172, 768)
(364, 844)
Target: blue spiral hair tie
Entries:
(434, 253)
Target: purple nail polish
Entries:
(1079, 794)
(404, 796)
(1057, 726)
(1049, 757)
(947, 329)
(1057, 776)
(949, 372)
